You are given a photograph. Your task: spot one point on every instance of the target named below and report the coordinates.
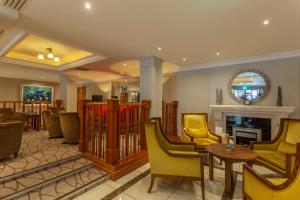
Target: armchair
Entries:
(70, 125)
(10, 115)
(181, 146)
(195, 129)
(272, 188)
(171, 163)
(10, 138)
(52, 123)
(279, 153)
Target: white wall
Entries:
(103, 89)
(196, 90)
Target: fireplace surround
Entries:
(219, 113)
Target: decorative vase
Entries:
(279, 96)
(217, 96)
(221, 97)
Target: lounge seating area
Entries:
(149, 100)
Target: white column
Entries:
(68, 93)
(151, 83)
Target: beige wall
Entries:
(103, 89)
(196, 90)
(10, 88)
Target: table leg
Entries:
(211, 167)
(228, 176)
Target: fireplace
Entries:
(247, 129)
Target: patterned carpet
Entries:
(47, 169)
(37, 150)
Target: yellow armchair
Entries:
(181, 146)
(279, 153)
(171, 163)
(257, 187)
(195, 129)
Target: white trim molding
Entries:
(267, 57)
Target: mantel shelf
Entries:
(254, 109)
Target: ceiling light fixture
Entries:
(48, 54)
(88, 5)
(41, 56)
(218, 53)
(183, 59)
(78, 73)
(159, 48)
(266, 22)
(124, 64)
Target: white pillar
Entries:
(151, 83)
(68, 93)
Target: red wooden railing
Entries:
(169, 118)
(113, 135)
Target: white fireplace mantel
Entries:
(275, 113)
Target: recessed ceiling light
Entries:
(183, 59)
(266, 22)
(78, 73)
(124, 64)
(41, 56)
(56, 59)
(126, 81)
(159, 48)
(88, 5)
(218, 53)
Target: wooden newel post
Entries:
(145, 115)
(82, 107)
(174, 115)
(112, 139)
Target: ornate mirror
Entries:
(249, 86)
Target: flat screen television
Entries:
(97, 98)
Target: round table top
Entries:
(238, 154)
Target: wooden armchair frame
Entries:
(267, 183)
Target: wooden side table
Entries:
(33, 122)
(239, 154)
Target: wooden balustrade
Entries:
(31, 107)
(169, 118)
(25, 106)
(113, 135)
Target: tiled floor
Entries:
(169, 189)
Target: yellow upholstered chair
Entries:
(279, 153)
(181, 146)
(195, 129)
(257, 187)
(171, 163)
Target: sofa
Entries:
(10, 138)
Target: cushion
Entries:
(194, 121)
(204, 141)
(277, 181)
(275, 158)
(286, 147)
(197, 133)
(293, 132)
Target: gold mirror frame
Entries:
(254, 101)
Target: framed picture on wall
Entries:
(37, 93)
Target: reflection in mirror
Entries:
(249, 86)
